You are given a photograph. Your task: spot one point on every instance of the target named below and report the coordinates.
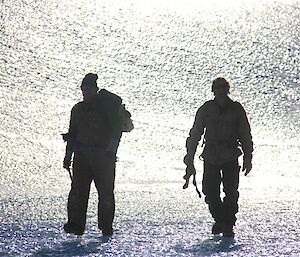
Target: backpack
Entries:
(125, 119)
(113, 101)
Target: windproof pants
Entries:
(92, 165)
(222, 210)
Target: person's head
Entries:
(220, 87)
(89, 86)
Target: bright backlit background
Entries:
(161, 57)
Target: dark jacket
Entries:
(95, 123)
(225, 128)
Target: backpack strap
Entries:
(195, 184)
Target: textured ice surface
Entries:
(161, 58)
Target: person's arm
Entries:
(70, 137)
(194, 136)
(245, 138)
(191, 145)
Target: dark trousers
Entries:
(223, 211)
(92, 165)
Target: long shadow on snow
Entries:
(216, 244)
(78, 247)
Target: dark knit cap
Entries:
(219, 83)
(89, 81)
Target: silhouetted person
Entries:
(226, 127)
(94, 134)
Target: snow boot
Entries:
(107, 231)
(228, 231)
(217, 228)
(72, 228)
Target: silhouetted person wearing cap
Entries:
(94, 134)
(225, 127)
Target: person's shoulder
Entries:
(207, 104)
(237, 105)
(107, 95)
(79, 106)
(204, 107)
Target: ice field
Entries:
(161, 57)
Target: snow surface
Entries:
(161, 57)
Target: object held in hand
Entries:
(65, 136)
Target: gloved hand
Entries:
(247, 166)
(188, 160)
(111, 150)
(67, 160)
(111, 155)
(189, 171)
(190, 168)
(66, 136)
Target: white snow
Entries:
(161, 58)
